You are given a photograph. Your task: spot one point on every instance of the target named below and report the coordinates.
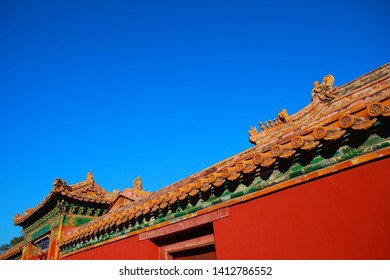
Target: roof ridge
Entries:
(357, 111)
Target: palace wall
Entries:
(345, 215)
(314, 186)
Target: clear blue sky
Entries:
(160, 89)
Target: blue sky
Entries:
(160, 89)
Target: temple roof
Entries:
(87, 191)
(328, 104)
(333, 111)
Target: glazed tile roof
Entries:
(131, 195)
(333, 111)
(13, 251)
(87, 191)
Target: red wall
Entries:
(125, 249)
(342, 216)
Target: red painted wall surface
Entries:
(342, 216)
(126, 249)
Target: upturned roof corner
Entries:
(327, 101)
(87, 190)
